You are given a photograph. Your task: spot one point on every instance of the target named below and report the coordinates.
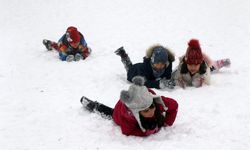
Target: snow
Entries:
(39, 100)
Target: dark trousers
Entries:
(105, 111)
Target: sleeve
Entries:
(83, 41)
(207, 76)
(168, 71)
(153, 84)
(126, 121)
(132, 128)
(84, 50)
(156, 83)
(199, 80)
(208, 60)
(138, 69)
(63, 48)
(129, 127)
(62, 45)
(176, 75)
(172, 110)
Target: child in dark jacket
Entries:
(156, 67)
(71, 46)
(139, 111)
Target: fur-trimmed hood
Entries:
(149, 52)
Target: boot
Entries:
(121, 52)
(47, 44)
(124, 58)
(89, 104)
(222, 63)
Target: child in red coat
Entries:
(139, 111)
(71, 46)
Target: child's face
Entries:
(74, 45)
(193, 68)
(159, 66)
(149, 112)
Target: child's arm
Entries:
(208, 60)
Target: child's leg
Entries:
(50, 45)
(218, 64)
(96, 106)
(124, 58)
(105, 110)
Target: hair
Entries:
(202, 69)
(149, 52)
(157, 120)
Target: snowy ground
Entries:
(39, 100)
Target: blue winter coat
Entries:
(145, 69)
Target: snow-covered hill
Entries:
(39, 100)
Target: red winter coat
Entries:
(123, 117)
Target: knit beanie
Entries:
(159, 55)
(72, 35)
(138, 98)
(193, 54)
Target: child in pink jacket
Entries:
(195, 67)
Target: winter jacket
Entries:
(184, 78)
(66, 49)
(123, 117)
(145, 69)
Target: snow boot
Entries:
(78, 57)
(47, 44)
(121, 52)
(124, 58)
(222, 63)
(70, 58)
(89, 104)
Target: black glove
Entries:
(164, 83)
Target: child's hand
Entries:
(164, 83)
(197, 82)
(148, 132)
(182, 83)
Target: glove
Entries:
(197, 82)
(164, 83)
(78, 57)
(70, 58)
(148, 132)
(85, 51)
(182, 83)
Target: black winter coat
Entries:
(145, 69)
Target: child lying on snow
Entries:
(195, 67)
(139, 112)
(156, 67)
(71, 46)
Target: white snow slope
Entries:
(39, 100)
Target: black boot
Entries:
(124, 57)
(47, 44)
(105, 111)
(89, 104)
(121, 52)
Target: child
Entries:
(139, 111)
(156, 67)
(195, 67)
(71, 46)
